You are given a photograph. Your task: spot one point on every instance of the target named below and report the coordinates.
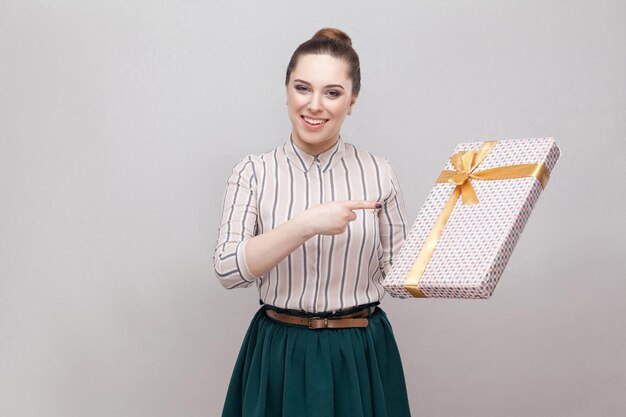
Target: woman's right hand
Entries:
(266, 250)
(331, 218)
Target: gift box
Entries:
(472, 219)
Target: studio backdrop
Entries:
(120, 122)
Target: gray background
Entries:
(119, 125)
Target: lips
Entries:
(314, 122)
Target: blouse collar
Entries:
(305, 161)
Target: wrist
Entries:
(303, 228)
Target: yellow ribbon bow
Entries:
(465, 164)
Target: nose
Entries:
(315, 104)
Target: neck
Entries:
(313, 150)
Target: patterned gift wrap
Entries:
(474, 244)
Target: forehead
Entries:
(322, 70)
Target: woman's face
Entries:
(319, 95)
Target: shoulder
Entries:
(245, 165)
(366, 157)
(253, 160)
(251, 164)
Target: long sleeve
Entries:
(327, 273)
(392, 222)
(238, 224)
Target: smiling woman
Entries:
(314, 224)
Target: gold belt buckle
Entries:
(316, 328)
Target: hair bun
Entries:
(333, 33)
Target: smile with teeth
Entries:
(314, 121)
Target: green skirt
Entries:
(287, 370)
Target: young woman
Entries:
(314, 224)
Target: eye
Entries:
(301, 88)
(334, 93)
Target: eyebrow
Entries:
(326, 86)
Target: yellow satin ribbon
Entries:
(465, 162)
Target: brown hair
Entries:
(333, 42)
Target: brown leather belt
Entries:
(358, 319)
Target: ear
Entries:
(352, 101)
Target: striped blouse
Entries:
(327, 272)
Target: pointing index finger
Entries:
(363, 204)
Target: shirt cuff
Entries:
(242, 262)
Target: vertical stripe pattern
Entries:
(327, 272)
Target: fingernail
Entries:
(378, 205)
